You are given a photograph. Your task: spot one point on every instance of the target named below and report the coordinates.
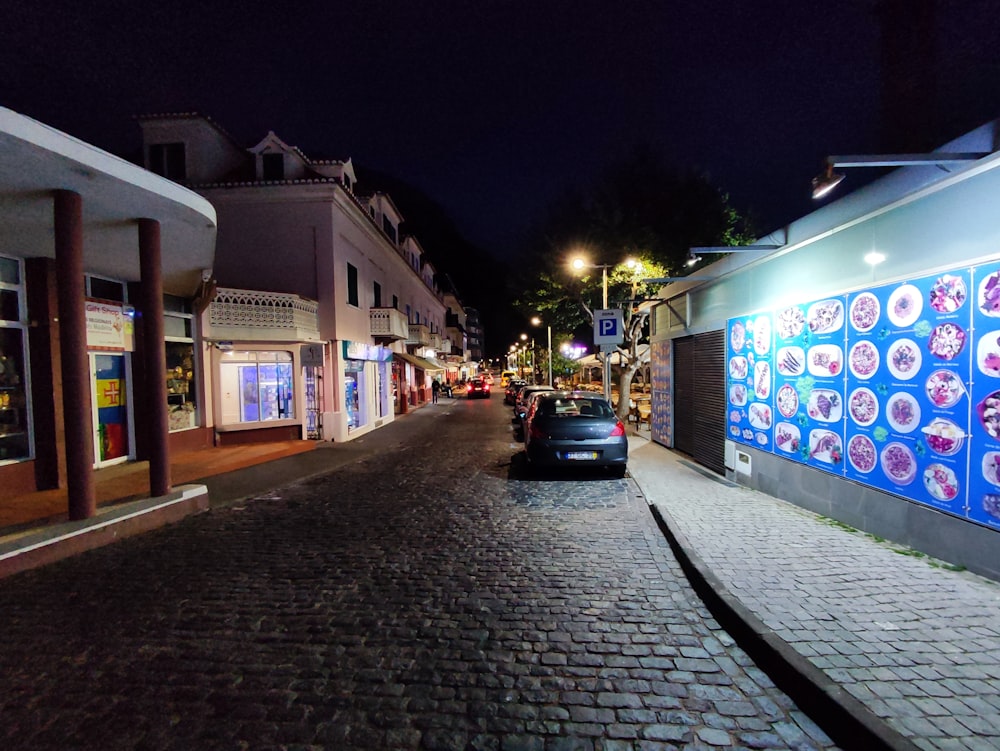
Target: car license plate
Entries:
(581, 455)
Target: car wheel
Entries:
(619, 472)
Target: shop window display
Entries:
(181, 394)
(257, 387)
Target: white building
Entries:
(855, 369)
(326, 319)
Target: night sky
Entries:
(493, 107)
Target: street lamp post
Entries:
(578, 264)
(536, 321)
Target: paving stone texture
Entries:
(915, 642)
(429, 596)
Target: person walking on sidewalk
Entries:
(435, 390)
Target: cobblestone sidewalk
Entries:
(914, 642)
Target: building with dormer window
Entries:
(325, 316)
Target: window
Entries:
(182, 396)
(167, 159)
(377, 295)
(273, 166)
(395, 302)
(257, 387)
(14, 442)
(389, 228)
(105, 289)
(352, 285)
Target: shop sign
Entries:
(365, 351)
(109, 327)
(311, 355)
(896, 387)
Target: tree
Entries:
(640, 210)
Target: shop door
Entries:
(313, 377)
(109, 378)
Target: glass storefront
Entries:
(182, 394)
(14, 435)
(257, 387)
(354, 376)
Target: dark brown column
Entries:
(155, 356)
(68, 226)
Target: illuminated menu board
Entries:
(896, 387)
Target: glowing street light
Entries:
(536, 321)
(579, 264)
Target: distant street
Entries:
(426, 596)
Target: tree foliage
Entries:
(639, 210)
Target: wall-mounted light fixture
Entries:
(827, 180)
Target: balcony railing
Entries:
(249, 314)
(419, 334)
(388, 323)
(435, 341)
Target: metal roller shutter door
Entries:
(684, 395)
(709, 377)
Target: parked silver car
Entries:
(575, 429)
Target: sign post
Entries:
(608, 333)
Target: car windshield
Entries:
(575, 406)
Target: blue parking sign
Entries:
(608, 326)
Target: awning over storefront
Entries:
(436, 364)
(418, 362)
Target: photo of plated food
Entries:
(787, 401)
(904, 359)
(862, 405)
(988, 354)
(863, 360)
(944, 436)
(902, 412)
(762, 379)
(898, 463)
(861, 453)
(825, 360)
(988, 298)
(824, 446)
(738, 367)
(791, 361)
(988, 412)
(738, 394)
(948, 293)
(941, 482)
(905, 306)
(825, 405)
(790, 322)
(946, 341)
(991, 467)
(864, 312)
(760, 416)
(944, 388)
(826, 316)
(738, 336)
(787, 437)
(762, 334)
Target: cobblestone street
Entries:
(427, 596)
